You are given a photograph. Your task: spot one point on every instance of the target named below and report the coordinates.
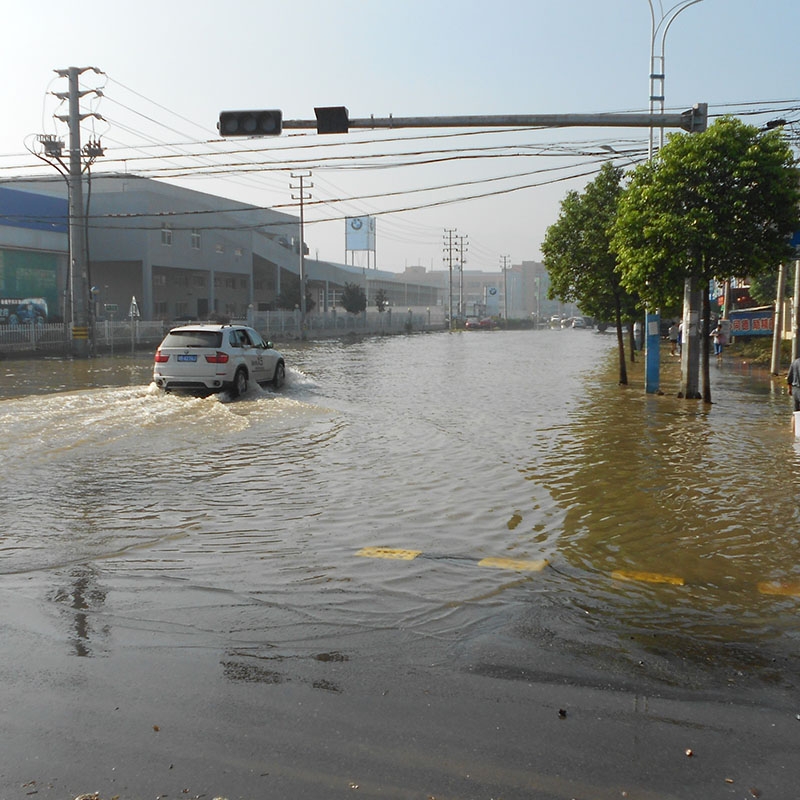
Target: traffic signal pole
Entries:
(692, 120)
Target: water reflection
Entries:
(676, 512)
(82, 599)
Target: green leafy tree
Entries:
(353, 298)
(712, 205)
(381, 300)
(289, 296)
(579, 260)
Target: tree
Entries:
(289, 296)
(579, 259)
(381, 300)
(353, 298)
(712, 205)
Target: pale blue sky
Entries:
(173, 65)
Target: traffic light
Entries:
(250, 123)
(332, 119)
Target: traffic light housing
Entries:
(250, 123)
(332, 119)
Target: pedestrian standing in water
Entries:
(793, 380)
(673, 338)
(718, 337)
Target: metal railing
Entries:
(120, 337)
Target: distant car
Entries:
(473, 323)
(205, 359)
(578, 322)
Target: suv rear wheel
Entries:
(240, 382)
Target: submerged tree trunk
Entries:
(705, 347)
(623, 370)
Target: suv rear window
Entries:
(210, 339)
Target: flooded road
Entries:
(485, 504)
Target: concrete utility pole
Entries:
(504, 260)
(777, 330)
(690, 340)
(79, 267)
(449, 236)
(796, 310)
(463, 244)
(302, 197)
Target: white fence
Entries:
(56, 339)
(120, 337)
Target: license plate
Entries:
(187, 358)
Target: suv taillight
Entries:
(218, 358)
(161, 357)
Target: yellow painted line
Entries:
(514, 563)
(776, 587)
(388, 552)
(648, 577)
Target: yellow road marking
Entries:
(388, 552)
(776, 587)
(649, 577)
(514, 563)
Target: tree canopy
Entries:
(715, 204)
(578, 256)
(353, 298)
(289, 296)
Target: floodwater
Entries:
(458, 488)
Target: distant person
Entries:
(673, 338)
(793, 379)
(680, 336)
(718, 337)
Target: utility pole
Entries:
(78, 266)
(449, 235)
(777, 330)
(302, 197)
(462, 249)
(505, 260)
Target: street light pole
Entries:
(658, 34)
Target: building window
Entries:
(220, 249)
(195, 239)
(198, 281)
(166, 235)
(238, 252)
(159, 280)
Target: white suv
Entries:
(203, 359)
